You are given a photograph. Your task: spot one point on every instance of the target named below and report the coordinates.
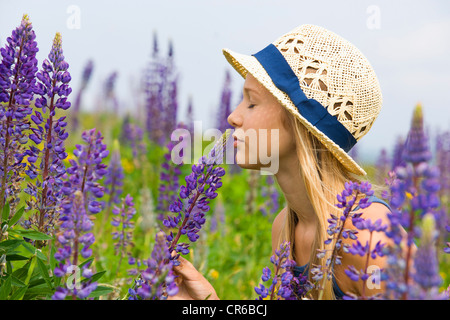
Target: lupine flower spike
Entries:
(348, 200)
(201, 186)
(17, 82)
(283, 282)
(123, 233)
(87, 72)
(46, 165)
(426, 265)
(157, 282)
(414, 191)
(75, 238)
(89, 169)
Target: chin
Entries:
(243, 162)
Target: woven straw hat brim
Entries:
(244, 64)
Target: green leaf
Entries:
(5, 288)
(44, 272)
(17, 216)
(33, 234)
(17, 283)
(9, 245)
(33, 250)
(85, 263)
(5, 211)
(15, 257)
(52, 258)
(100, 291)
(96, 276)
(18, 294)
(39, 290)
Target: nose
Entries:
(235, 118)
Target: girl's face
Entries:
(262, 136)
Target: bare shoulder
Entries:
(376, 211)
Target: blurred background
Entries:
(407, 42)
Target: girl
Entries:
(320, 95)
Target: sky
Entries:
(407, 43)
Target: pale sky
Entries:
(407, 43)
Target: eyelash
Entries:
(251, 106)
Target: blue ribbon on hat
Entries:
(285, 79)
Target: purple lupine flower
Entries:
(123, 233)
(17, 82)
(417, 148)
(171, 106)
(169, 183)
(282, 281)
(365, 250)
(443, 162)
(383, 166)
(414, 191)
(201, 186)
(53, 89)
(348, 201)
(109, 92)
(87, 72)
(158, 280)
(190, 117)
(161, 90)
(218, 218)
(132, 135)
(85, 173)
(426, 266)
(224, 109)
(75, 238)
(113, 182)
(154, 98)
(397, 155)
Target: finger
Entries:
(187, 270)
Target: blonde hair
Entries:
(324, 177)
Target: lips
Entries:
(236, 140)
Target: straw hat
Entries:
(323, 80)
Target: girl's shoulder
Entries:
(277, 226)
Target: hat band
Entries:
(285, 79)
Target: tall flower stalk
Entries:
(224, 109)
(157, 282)
(352, 196)
(85, 174)
(46, 165)
(426, 266)
(414, 191)
(113, 182)
(17, 82)
(87, 72)
(75, 239)
(123, 234)
(169, 183)
(194, 197)
(81, 190)
(161, 90)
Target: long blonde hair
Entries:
(324, 177)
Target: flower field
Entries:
(93, 206)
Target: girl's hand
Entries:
(191, 283)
